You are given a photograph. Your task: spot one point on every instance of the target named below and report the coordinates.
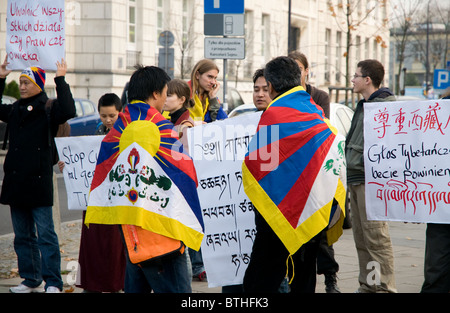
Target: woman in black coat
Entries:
(28, 182)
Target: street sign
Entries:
(224, 48)
(224, 6)
(166, 38)
(441, 79)
(166, 58)
(224, 25)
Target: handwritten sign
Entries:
(79, 155)
(218, 150)
(407, 161)
(35, 33)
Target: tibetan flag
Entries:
(144, 178)
(295, 168)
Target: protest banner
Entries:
(218, 150)
(35, 33)
(406, 160)
(79, 155)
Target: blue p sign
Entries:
(441, 79)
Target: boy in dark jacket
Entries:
(28, 183)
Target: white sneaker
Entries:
(52, 289)
(24, 289)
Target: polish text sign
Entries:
(218, 150)
(79, 155)
(35, 33)
(407, 161)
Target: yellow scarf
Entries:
(197, 112)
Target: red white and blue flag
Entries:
(144, 178)
(295, 168)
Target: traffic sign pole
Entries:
(224, 7)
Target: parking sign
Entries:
(224, 6)
(441, 79)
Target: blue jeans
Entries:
(36, 245)
(196, 261)
(168, 274)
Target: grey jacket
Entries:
(354, 150)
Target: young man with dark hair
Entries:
(279, 198)
(372, 239)
(149, 84)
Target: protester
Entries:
(437, 253)
(204, 89)
(144, 183)
(28, 183)
(320, 97)
(326, 263)
(178, 103)
(276, 244)
(102, 255)
(261, 99)
(372, 239)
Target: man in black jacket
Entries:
(28, 183)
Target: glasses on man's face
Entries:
(356, 76)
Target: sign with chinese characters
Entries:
(218, 150)
(35, 33)
(79, 155)
(407, 161)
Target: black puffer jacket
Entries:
(28, 166)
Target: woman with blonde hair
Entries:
(204, 89)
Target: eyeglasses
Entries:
(356, 76)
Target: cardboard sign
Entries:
(35, 33)
(407, 161)
(79, 155)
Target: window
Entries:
(132, 21)
(265, 22)
(327, 55)
(338, 56)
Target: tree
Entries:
(12, 89)
(403, 21)
(352, 15)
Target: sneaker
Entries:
(52, 289)
(331, 284)
(201, 276)
(24, 289)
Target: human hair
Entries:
(181, 89)
(283, 73)
(373, 69)
(259, 73)
(145, 81)
(110, 99)
(201, 67)
(298, 56)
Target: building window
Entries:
(160, 18)
(327, 55)
(132, 21)
(265, 22)
(338, 56)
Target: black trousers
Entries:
(267, 267)
(437, 259)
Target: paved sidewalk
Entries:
(408, 241)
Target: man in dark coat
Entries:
(28, 183)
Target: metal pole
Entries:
(289, 25)
(225, 65)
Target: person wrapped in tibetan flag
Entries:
(294, 174)
(144, 182)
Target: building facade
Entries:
(106, 38)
